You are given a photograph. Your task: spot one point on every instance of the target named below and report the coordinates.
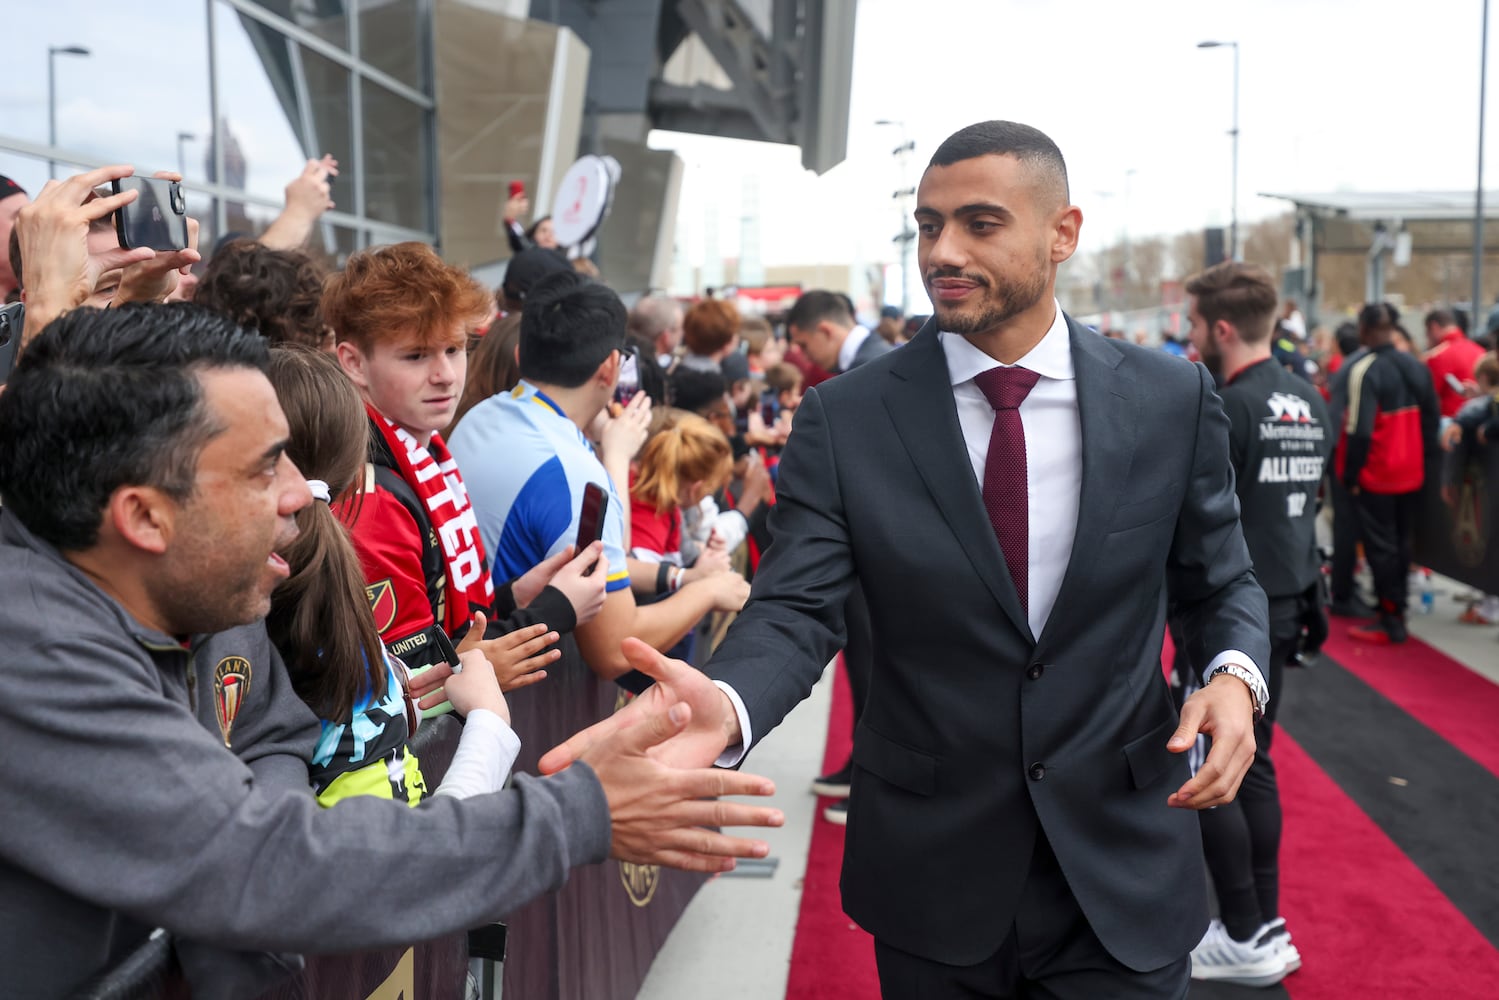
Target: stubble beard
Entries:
(1001, 304)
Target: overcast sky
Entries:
(1371, 95)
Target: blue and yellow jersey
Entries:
(526, 466)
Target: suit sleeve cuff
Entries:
(732, 756)
(1238, 658)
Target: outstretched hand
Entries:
(713, 726)
(659, 814)
(1224, 710)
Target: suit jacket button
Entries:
(1036, 670)
(1037, 772)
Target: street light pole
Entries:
(1483, 79)
(1233, 231)
(907, 235)
(53, 51)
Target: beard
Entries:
(1001, 301)
(1212, 359)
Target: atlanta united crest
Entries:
(383, 603)
(231, 685)
(640, 881)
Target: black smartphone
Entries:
(157, 218)
(591, 519)
(629, 379)
(12, 322)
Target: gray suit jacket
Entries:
(976, 734)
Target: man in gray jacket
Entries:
(146, 490)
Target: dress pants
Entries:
(1050, 954)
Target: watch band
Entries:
(1257, 692)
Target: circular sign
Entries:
(582, 200)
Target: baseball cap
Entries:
(530, 266)
(9, 187)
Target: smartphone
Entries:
(591, 519)
(1456, 385)
(157, 218)
(12, 322)
(517, 188)
(629, 380)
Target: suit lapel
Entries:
(920, 402)
(1106, 406)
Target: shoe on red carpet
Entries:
(835, 785)
(1389, 630)
(1276, 933)
(1258, 962)
(837, 813)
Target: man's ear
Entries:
(607, 372)
(1224, 331)
(351, 359)
(1069, 225)
(143, 517)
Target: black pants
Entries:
(1050, 954)
(1345, 539)
(1241, 840)
(1385, 522)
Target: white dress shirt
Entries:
(851, 345)
(1054, 473)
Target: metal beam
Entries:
(747, 59)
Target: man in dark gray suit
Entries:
(1020, 500)
(821, 324)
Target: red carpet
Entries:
(1449, 699)
(1368, 922)
(831, 958)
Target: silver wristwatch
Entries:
(1256, 686)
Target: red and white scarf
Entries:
(433, 475)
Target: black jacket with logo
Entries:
(1388, 410)
(1279, 440)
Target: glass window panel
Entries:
(397, 186)
(111, 103)
(281, 105)
(393, 39)
(325, 18)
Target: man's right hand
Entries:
(659, 814)
(58, 270)
(714, 724)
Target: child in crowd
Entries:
(778, 403)
(761, 347)
(322, 625)
(402, 316)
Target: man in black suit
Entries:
(1010, 830)
(821, 324)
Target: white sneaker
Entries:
(1275, 933)
(1248, 963)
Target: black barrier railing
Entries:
(1457, 539)
(143, 975)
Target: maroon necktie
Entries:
(1004, 470)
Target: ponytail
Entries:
(687, 449)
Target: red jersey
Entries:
(1453, 355)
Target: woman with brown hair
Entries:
(322, 624)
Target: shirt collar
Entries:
(1051, 358)
(850, 347)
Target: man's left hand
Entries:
(1224, 710)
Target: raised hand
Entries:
(658, 813)
(517, 657)
(582, 580)
(713, 726)
(474, 686)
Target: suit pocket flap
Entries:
(1148, 757)
(910, 769)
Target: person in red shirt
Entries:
(1451, 360)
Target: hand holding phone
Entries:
(157, 218)
(591, 519)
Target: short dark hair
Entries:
(105, 398)
(817, 306)
(1441, 317)
(1030, 146)
(277, 293)
(569, 325)
(693, 389)
(1347, 335)
(1243, 294)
